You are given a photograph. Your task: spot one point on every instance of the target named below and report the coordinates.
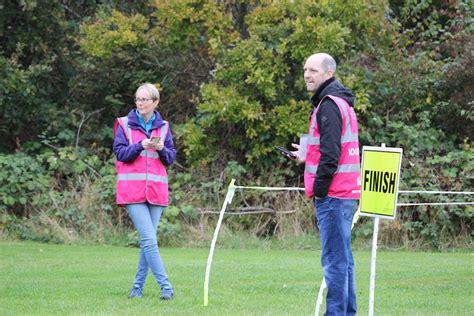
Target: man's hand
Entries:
(297, 159)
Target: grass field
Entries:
(43, 279)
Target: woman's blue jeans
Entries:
(334, 219)
(146, 218)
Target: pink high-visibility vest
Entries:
(144, 179)
(345, 183)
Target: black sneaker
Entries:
(135, 292)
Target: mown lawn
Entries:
(43, 279)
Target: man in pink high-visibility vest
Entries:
(332, 177)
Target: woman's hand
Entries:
(148, 144)
(160, 145)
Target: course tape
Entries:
(271, 188)
(400, 192)
(447, 203)
(302, 189)
(435, 192)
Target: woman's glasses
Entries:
(138, 100)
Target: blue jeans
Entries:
(334, 219)
(146, 218)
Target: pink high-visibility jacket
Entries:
(345, 183)
(144, 179)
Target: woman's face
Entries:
(145, 104)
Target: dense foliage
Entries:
(230, 74)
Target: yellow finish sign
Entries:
(379, 181)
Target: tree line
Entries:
(231, 79)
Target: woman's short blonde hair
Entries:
(152, 90)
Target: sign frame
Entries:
(397, 182)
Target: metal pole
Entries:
(372, 266)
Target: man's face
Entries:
(314, 75)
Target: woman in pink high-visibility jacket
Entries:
(143, 146)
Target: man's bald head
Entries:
(317, 69)
(325, 60)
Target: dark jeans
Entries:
(334, 222)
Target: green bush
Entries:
(56, 197)
(232, 87)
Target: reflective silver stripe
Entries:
(163, 131)
(128, 131)
(313, 123)
(142, 176)
(348, 168)
(349, 137)
(154, 177)
(346, 114)
(340, 169)
(311, 169)
(313, 140)
(149, 154)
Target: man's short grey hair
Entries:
(152, 90)
(328, 63)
